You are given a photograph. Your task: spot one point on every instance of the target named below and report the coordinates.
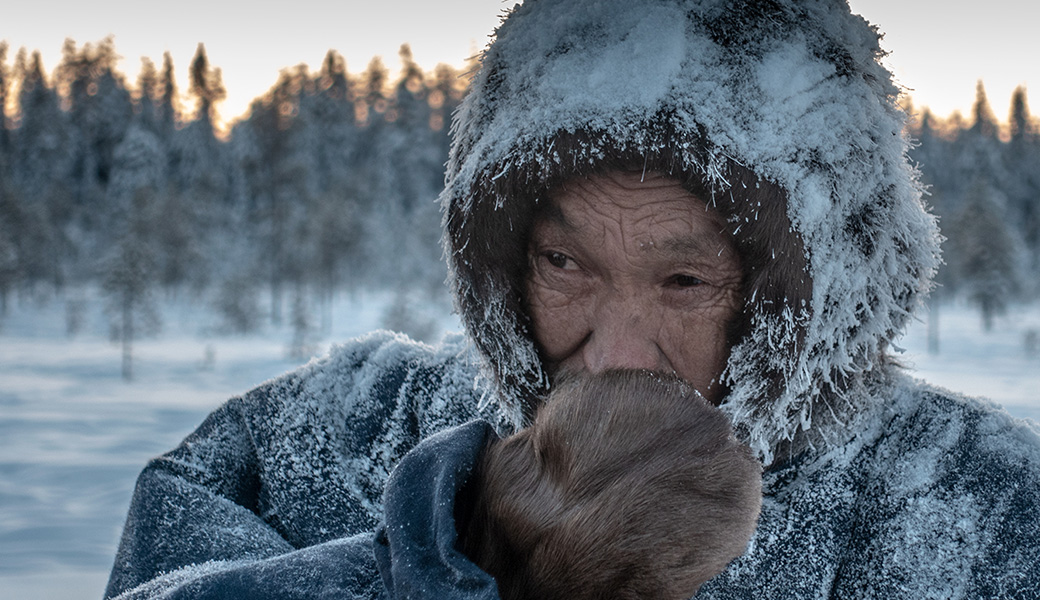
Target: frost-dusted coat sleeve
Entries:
(193, 531)
(196, 504)
(412, 552)
(277, 492)
(415, 545)
(342, 569)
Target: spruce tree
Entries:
(42, 152)
(410, 107)
(986, 255)
(100, 109)
(5, 136)
(198, 169)
(1022, 127)
(130, 267)
(169, 108)
(275, 163)
(200, 174)
(145, 106)
(8, 206)
(128, 285)
(445, 95)
(974, 153)
(332, 115)
(985, 123)
(335, 213)
(41, 176)
(373, 101)
(207, 86)
(1023, 164)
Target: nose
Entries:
(623, 335)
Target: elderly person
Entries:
(711, 189)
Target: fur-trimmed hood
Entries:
(732, 98)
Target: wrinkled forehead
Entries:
(653, 207)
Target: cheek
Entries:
(558, 318)
(696, 344)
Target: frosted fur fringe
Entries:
(792, 90)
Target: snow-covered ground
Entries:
(73, 434)
(1002, 365)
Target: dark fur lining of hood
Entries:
(487, 245)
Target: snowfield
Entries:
(73, 434)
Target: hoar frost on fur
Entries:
(776, 106)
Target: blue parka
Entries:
(778, 115)
(287, 492)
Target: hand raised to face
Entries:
(627, 485)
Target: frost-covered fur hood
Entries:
(734, 98)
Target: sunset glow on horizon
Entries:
(938, 50)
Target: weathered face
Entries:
(631, 273)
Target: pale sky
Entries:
(939, 49)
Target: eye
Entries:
(559, 260)
(685, 281)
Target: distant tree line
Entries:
(984, 184)
(329, 182)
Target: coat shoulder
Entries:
(934, 496)
(948, 503)
(327, 435)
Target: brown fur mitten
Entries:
(627, 485)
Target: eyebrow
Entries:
(690, 245)
(551, 212)
(676, 247)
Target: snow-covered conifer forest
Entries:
(151, 265)
(329, 185)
